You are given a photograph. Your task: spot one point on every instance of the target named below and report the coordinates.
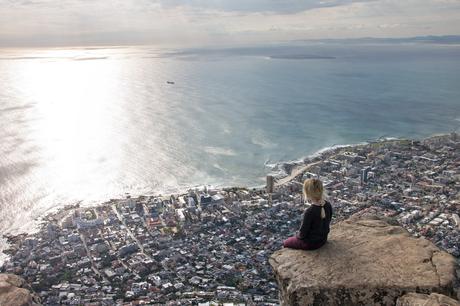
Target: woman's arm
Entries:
(305, 226)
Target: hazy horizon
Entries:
(423, 39)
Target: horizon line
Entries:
(433, 38)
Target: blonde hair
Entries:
(313, 189)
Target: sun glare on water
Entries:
(73, 102)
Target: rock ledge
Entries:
(365, 262)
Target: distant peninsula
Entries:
(429, 39)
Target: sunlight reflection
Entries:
(74, 101)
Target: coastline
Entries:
(296, 165)
(299, 165)
(294, 169)
(286, 172)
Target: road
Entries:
(93, 265)
(130, 233)
(295, 173)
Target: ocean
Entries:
(90, 124)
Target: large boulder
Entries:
(365, 262)
(14, 291)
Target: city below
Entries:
(211, 246)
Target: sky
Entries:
(218, 22)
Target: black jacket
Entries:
(313, 229)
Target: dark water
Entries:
(93, 124)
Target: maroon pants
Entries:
(295, 243)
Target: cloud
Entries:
(273, 6)
(199, 22)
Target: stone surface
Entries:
(365, 262)
(418, 299)
(15, 292)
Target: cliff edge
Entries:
(14, 291)
(365, 262)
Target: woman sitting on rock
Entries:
(316, 219)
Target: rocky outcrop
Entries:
(418, 299)
(365, 262)
(14, 291)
